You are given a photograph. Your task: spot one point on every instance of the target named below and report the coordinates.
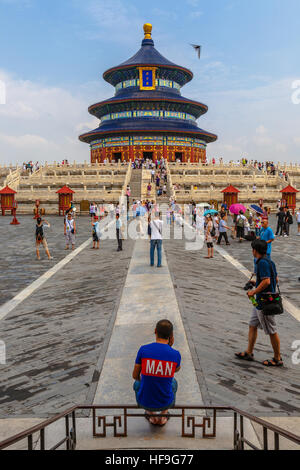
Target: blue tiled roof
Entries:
(148, 55)
(130, 95)
(148, 125)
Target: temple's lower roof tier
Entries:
(131, 100)
(128, 126)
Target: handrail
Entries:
(38, 427)
(239, 439)
(271, 427)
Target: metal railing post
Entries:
(242, 432)
(235, 431)
(265, 430)
(30, 442)
(42, 439)
(276, 441)
(67, 432)
(74, 428)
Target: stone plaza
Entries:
(72, 322)
(71, 336)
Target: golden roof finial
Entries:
(148, 30)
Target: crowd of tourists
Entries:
(30, 167)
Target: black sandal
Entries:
(147, 416)
(167, 415)
(273, 362)
(245, 356)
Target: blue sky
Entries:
(53, 54)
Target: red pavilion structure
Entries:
(289, 196)
(148, 117)
(230, 195)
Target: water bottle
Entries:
(253, 301)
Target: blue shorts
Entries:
(136, 387)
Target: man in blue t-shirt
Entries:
(266, 281)
(156, 363)
(266, 234)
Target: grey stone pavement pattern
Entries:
(216, 313)
(55, 339)
(148, 296)
(19, 266)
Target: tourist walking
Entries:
(156, 226)
(223, 230)
(266, 282)
(298, 221)
(70, 231)
(152, 175)
(119, 226)
(93, 209)
(258, 224)
(266, 234)
(288, 220)
(40, 238)
(240, 225)
(95, 233)
(280, 221)
(209, 234)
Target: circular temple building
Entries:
(148, 117)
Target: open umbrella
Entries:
(257, 209)
(236, 208)
(210, 212)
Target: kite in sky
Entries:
(197, 49)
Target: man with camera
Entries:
(266, 282)
(156, 363)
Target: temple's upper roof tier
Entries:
(148, 56)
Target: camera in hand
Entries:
(248, 286)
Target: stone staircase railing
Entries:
(13, 179)
(126, 181)
(146, 177)
(170, 181)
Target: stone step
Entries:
(140, 434)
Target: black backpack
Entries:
(39, 232)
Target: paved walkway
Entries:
(75, 339)
(215, 312)
(148, 296)
(56, 339)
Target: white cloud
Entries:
(87, 126)
(25, 142)
(42, 123)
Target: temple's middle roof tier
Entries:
(156, 100)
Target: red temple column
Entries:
(131, 153)
(192, 155)
(165, 152)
